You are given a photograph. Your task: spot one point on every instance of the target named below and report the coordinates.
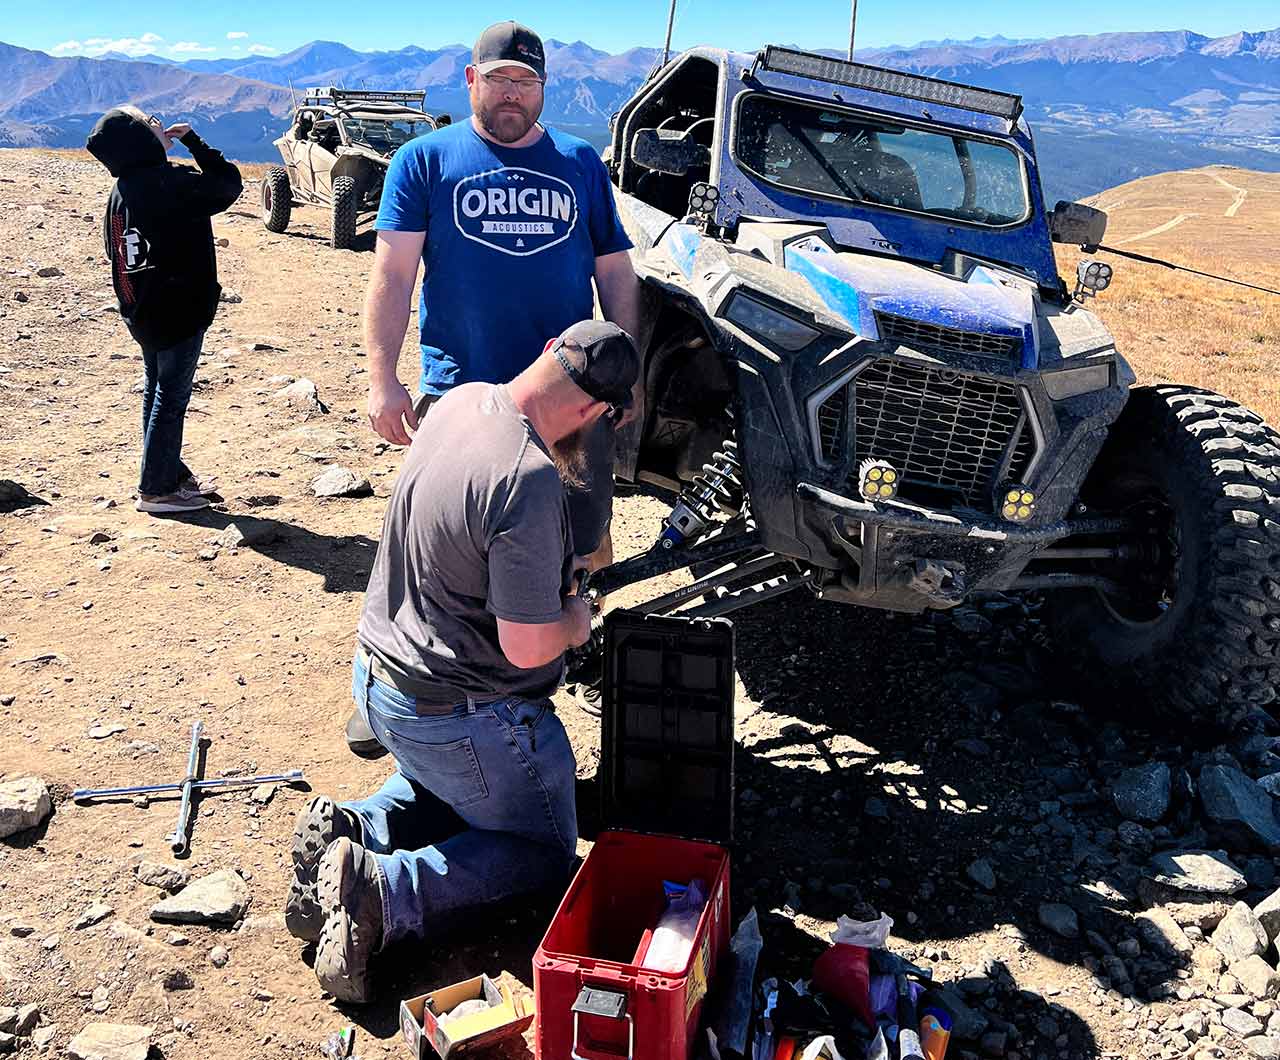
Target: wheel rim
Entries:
(266, 197)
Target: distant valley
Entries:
(1105, 109)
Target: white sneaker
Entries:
(180, 501)
(194, 484)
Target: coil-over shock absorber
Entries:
(717, 486)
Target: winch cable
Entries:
(1184, 268)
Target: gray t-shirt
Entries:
(476, 530)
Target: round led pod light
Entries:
(1017, 503)
(878, 480)
(1095, 276)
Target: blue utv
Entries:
(865, 378)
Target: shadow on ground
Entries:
(343, 560)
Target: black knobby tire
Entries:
(1202, 649)
(346, 205)
(277, 200)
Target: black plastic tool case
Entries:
(667, 726)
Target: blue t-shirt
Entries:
(512, 238)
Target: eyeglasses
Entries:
(524, 85)
(155, 120)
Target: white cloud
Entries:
(95, 46)
(236, 34)
(236, 48)
(261, 49)
(188, 47)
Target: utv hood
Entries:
(122, 143)
(861, 288)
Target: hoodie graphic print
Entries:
(156, 230)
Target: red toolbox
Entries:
(666, 778)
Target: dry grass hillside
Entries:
(1173, 326)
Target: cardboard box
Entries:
(420, 1019)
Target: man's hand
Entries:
(578, 613)
(177, 130)
(390, 409)
(386, 315)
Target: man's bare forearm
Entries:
(386, 316)
(620, 296)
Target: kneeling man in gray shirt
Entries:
(469, 612)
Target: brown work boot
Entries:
(318, 825)
(351, 900)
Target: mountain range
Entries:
(1105, 108)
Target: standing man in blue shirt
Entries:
(511, 221)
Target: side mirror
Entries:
(1077, 224)
(668, 151)
(442, 120)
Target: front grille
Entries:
(831, 416)
(941, 430)
(917, 335)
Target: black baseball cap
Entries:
(509, 44)
(601, 358)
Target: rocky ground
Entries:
(1086, 884)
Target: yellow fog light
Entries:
(877, 480)
(1017, 503)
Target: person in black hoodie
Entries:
(160, 245)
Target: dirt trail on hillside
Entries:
(879, 756)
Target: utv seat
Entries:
(893, 182)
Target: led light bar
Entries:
(894, 82)
(341, 94)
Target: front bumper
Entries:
(902, 557)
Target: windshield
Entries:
(384, 134)
(842, 155)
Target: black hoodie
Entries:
(157, 229)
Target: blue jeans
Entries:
(480, 808)
(165, 396)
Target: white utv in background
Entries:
(336, 152)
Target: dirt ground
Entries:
(878, 756)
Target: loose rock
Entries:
(1240, 1023)
(1268, 913)
(95, 914)
(1162, 933)
(1239, 808)
(1197, 872)
(178, 979)
(1142, 793)
(301, 394)
(1256, 977)
(25, 1023)
(249, 532)
(24, 803)
(1240, 935)
(218, 956)
(1265, 1047)
(339, 481)
(166, 877)
(982, 874)
(1061, 919)
(111, 1041)
(220, 898)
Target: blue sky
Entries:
(233, 27)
